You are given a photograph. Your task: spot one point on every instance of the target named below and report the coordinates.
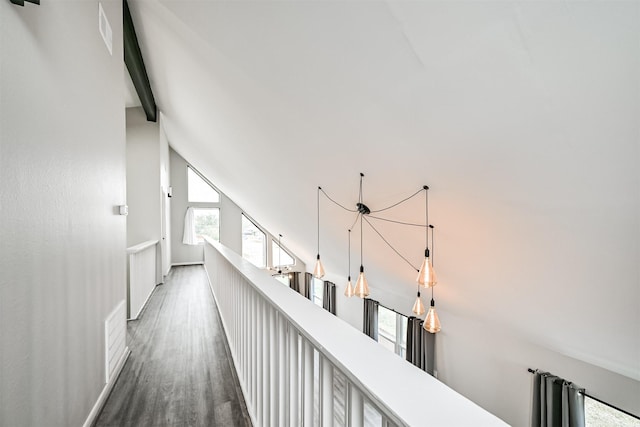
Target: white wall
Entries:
(165, 242)
(62, 176)
(143, 178)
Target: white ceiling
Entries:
(522, 117)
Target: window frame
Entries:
(400, 331)
(203, 208)
(274, 242)
(264, 233)
(206, 181)
(317, 301)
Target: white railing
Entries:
(141, 276)
(298, 365)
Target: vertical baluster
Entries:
(258, 362)
(294, 377)
(282, 371)
(326, 390)
(266, 359)
(308, 384)
(356, 406)
(253, 375)
(273, 367)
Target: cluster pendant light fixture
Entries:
(426, 274)
(278, 267)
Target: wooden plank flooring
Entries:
(179, 372)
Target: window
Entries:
(280, 257)
(199, 190)
(318, 288)
(598, 414)
(285, 279)
(254, 248)
(207, 223)
(392, 329)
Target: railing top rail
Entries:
(141, 246)
(406, 394)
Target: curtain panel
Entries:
(308, 283)
(329, 297)
(420, 345)
(189, 234)
(370, 319)
(556, 402)
(294, 281)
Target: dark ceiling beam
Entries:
(135, 65)
(21, 2)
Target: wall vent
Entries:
(115, 332)
(105, 29)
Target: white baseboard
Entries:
(144, 305)
(102, 399)
(178, 264)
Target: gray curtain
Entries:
(329, 297)
(308, 283)
(294, 281)
(420, 345)
(556, 402)
(370, 319)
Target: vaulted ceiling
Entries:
(522, 117)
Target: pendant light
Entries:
(318, 271)
(362, 287)
(349, 292)
(418, 307)
(279, 253)
(426, 275)
(431, 322)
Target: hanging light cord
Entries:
(355, 221)
(389, 244)
(361, 258)
(433, 251)
(426, 217)
(433, 246)
(318, 206)
(396, 222)
(399, 203)
(349, 256)
(336, 203)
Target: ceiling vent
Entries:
(105, 29)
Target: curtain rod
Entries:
(584, 393)
(392, 309)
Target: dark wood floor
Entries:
(179, 372)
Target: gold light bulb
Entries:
(432, 323)
(362, 287)
(349, 292)
(426, 275)
(318, 271)
(418, 307)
